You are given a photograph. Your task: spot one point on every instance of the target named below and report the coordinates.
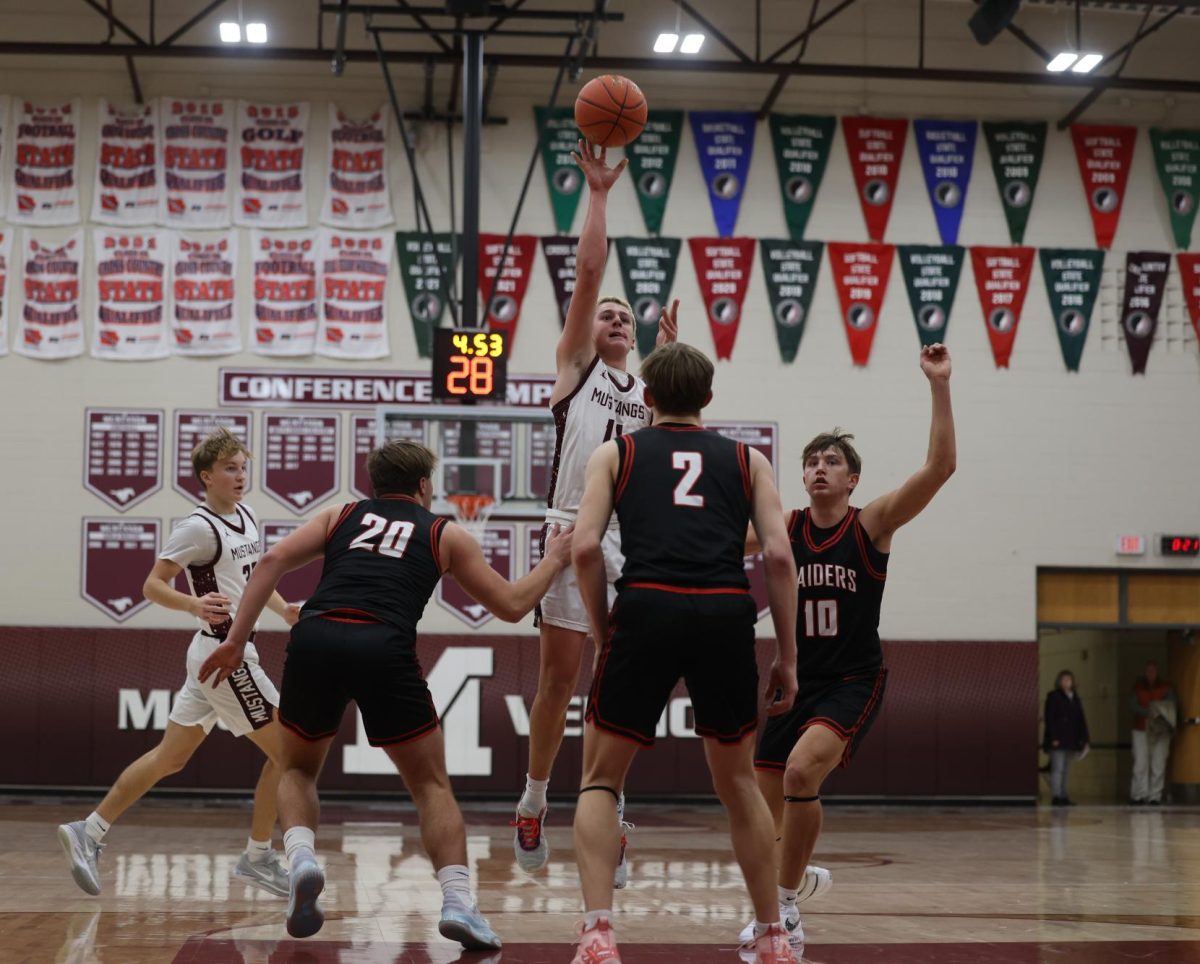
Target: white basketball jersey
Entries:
(237, 554)
(607, 402)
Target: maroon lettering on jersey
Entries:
(122, 462)
(117, 555)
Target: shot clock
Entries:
(469, 364)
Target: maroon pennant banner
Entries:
(1145, 281)
(1002, 279)
(191, 425)
(723, 268)
(499, 547)
(1104, 155)
(559, 252)
(505, 309)
(303, 455)
(860, 273)
(1189, 277)
(117, 556)
(876, 148)
(122, 462)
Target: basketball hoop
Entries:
(472, 511)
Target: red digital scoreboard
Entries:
(469, 364)
(1180, 545)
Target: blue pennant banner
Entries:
(724, 142)
(947, 149)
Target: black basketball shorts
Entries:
(659, 636)
(330, 662)
(846, 706)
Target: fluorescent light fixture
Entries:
(692, 43)
(231, 33)
(1087, 63)
(256, 33)
(665, 43)
(1062, 61)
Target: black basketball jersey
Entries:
(382, 563)
(683, 500)
(839, 579)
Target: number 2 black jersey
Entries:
(683, 501)
(840, 577)
(382, 564)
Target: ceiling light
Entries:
(231, 33)
(1061, 62)
(256, 33)
(692, 43)
(665, 43)
(1087, 63)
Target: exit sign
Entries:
(1131, 545)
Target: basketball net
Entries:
(472, 511)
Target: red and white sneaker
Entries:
(599, 946)
(529, 842)
(773, 947)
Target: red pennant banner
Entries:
(1189, 276)
(1104, 155)
(876, 146)
(723, 271)
(505, 309)
(860, 272)
(1002, 278)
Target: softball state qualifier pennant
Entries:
(876, 147)
(860, 274)
(1189, 279)
(1104, 155)
(511, 279)
(723, 270)
(1002, 279)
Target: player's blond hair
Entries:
(397, 468)
(837, 439)
(216, 447)
(679, 377)
(615, 300)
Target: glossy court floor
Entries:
(1090, 885)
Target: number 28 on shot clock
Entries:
(468, 364)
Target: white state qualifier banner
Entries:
(126, 187)
(6, 243)
(45, 165)
(284, 267)
(204, 317)
(271, 144)
(5, 163)
(130, 294)
(354, 268)
(356, 174)
(194, 162)
(51, 325)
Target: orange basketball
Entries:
(610, 111)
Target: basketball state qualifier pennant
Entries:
(723, 267)
(354, 274)
(947, 151)
(1104, 155)
(876, 148)
(1002, 278)
(285, 293)
(130, 314)
(1189, 279)
(191, 426)
(51, 322)
(504, 310)
(801, 143)
(790, 268)
(204, 318)
(122, 461)
(428, 263)
(1177, 157)
(362, 440)
(301, 457)
(499, 549)
(647, 274)
(1145, 281)
(559, 253)
(356, 182)
(558, 137)
(724, 143)
(117, 555)
(931, 276)
(860, 273)
(6, 243)
(125, 191)
(194, 163)
(45, 167)
(1016, 149)
(652, 164)
(1072, 279)
(270, 191)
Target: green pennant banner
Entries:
(652, 164)
(647, 271)
(1016, 149)
(1072, 282)
(801, 144)
(1177, 157)
(791, 272)
(427, 262)
(559, 137)
(931, 275)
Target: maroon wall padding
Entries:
(958, 718)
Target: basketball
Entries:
(610, 111)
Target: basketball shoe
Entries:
(268, 874)
(462, 922)
(82, 853)
(773, 947)
(597, 945)
(817, 880)
(621, 875)
(529, 842)
(304, 917)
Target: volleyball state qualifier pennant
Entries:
(427, 264)
(1002, 279)
(947, 151)
(1016, 149)
(1145, 281)
(558, 137)
(1072, 279)
(876, 147)
(1189, 278)
(1177, 157)
(801, 143)
(723, 270)
(724, 143)
(791, 270)
(647, 272)
(931, 276)
(504, 310)
(652, 164)
(1104, 155)
(860, 273)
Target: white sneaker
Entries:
(304, 915)
(530, 846)
(621, 874)
(82, 853)
(268, 874)
(789, 917)
(464, 923)
(817, 880)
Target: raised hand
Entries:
(668, 324)
(935, 362)
(593, 161)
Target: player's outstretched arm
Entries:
(212, 607)
(510, 601)
(595, 509)
(884, 515)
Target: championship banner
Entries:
(1189, 279)
(1072, 279)
(652, 164)
(724, 142)
(947, 151)
(1016, 149)
(790, 268)
(362, 440)
(647, 274)
(559, 253)
(6, 243)
(876, 148)
(1145, 281)
(126, 189)
(558, 137)
(1177, 157)
(504, 311)
(860, 273)
(196, 137)
(1002, 278)
(51, 325)
(298, 585)
(117, 554)
(931, 276)
(285, 293)
(270, 191)
(801, 143)
(45, 172)
(1104, 155)
(204, 318)
(428, 263)
(354, 274)
(130, 313)
(723, 267)
(302, 458)
(191, 426)
(499, 549)
(122, 454)
(5, 105)
(356, 187)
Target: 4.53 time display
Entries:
(469, 363)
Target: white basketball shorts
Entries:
(244, 702)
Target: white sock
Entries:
(299, 842)
(456, 882)
(533, 800)
(257, 850)
(760, 929)
(594, 917)
(787, 896)
(96, 826)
